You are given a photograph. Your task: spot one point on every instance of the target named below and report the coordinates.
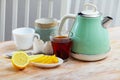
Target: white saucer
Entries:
(89, 57)
(48, 65)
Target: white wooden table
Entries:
(107, 69)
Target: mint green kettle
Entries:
(89, 34)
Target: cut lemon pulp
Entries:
(35, 57)
(45, 59)
(20, 59)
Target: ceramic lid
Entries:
(90, 13)
(46, 23)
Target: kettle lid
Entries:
(90, 13)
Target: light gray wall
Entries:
(33, 14)
(108, 5)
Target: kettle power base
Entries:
(89, 57)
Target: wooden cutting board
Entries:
(106, 69)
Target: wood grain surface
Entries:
(106, 69)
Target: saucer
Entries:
(60, 61)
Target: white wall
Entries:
(107, 7)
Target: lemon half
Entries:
(20, 59)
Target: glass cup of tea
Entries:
(61, 46)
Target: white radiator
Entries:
(19, 13)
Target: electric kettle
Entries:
(89, 34)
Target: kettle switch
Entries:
(71, 34)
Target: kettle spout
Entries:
(106, 21)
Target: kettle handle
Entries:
(64, 18)
(90, 4)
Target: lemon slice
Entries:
(20, 59)
(34, 57)
(45, 59)
(37, 58)
(54, 59)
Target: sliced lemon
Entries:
(46, 59)
(34, 57)
(54, 59)
(20, 59)
(38, 58)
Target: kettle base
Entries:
(89, 57)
